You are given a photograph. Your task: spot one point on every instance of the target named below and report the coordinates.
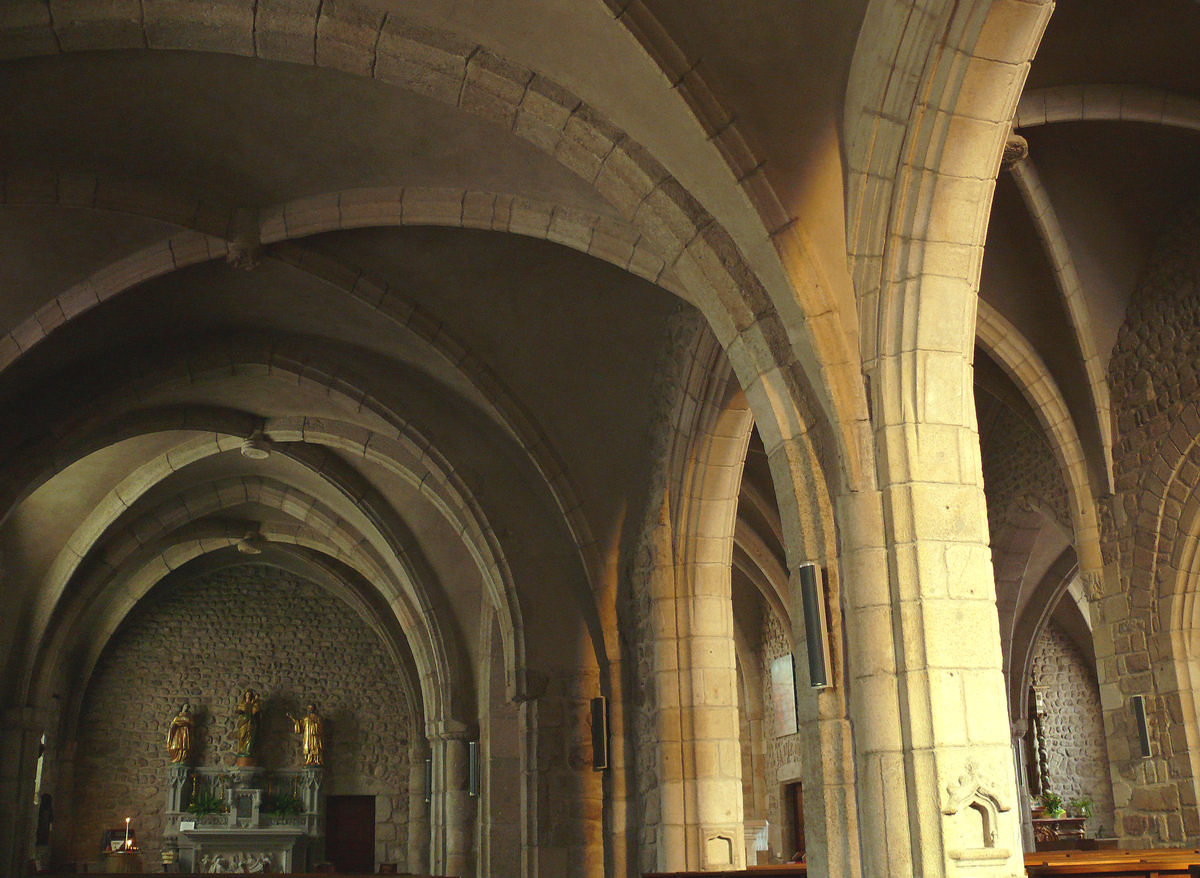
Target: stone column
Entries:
(874, 695)
(452, 810)
(20, 734)
(941, 621)
(695, 682)
(619, 809)
(418, 811)
(827, 761)
(1020, 728)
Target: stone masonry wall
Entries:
(1073, 727)
(205, 641)
(1154, 375)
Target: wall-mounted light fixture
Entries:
(1143, 731)
(812, 598)
(473, 768)
(599, 733)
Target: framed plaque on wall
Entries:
(783, 695)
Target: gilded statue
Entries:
(312, 732)
(179, 735)
(249, 711)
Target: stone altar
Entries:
(245, 819)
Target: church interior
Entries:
(598, 437)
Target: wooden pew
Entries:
(782, 870)
(1153, 863)
(159, 874)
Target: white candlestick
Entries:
(126, 833)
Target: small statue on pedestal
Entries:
(179, 735)
(312, 732)
(249, 711)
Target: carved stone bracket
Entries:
(1093, 584)
(1016, 149)
(972, 785)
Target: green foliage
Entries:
(1054, 804)
(1080, 806)
(282, 803)
(205, 803)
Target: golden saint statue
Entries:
(312, 732)
(179, 735)
(248, 711)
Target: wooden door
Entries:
(350, 833)
(796, 801)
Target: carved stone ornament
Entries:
(236, 861)
(1016, 149)
(972, 786)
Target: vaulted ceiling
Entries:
(233, 217)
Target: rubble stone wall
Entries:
(1073, 727)
(1155, 380)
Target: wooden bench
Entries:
(783, 870)
(159, 874)
(1153, 863)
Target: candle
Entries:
(126, 833)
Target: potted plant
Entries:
(1080, 806)
(1054, 805)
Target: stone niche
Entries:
(973, 822)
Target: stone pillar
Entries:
(619, 809)
(20, 735)
(941, 629)
(695, 682)
(452, 810)
(63, 781)
(874, 695)
(1020, 728)
(531, 803)
(827, 758)
(418, 810)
